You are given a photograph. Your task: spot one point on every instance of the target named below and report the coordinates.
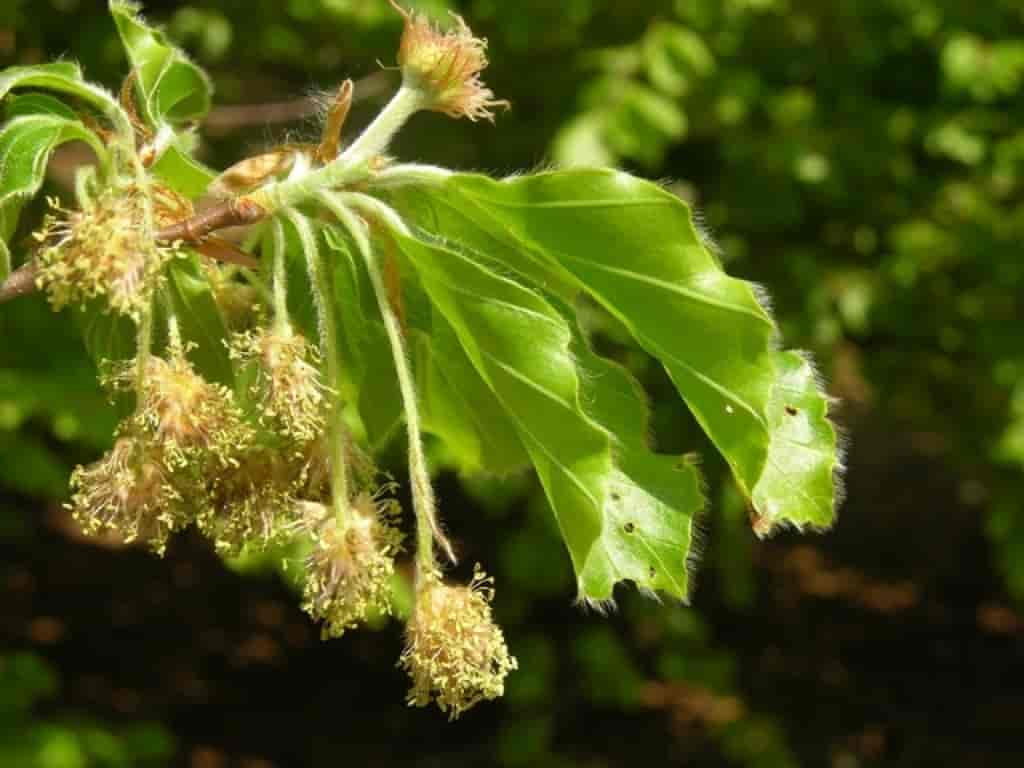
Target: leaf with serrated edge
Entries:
(633, 247)
(520, 346)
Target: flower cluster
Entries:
(455, 653)
(128, 492)
(269, 460)
(250, 502)
(349, 569)
(186, 416)
(287, 382)
(446, 67)
(106, 250)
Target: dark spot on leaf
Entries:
(616, 496)
(629, 527)
(652, 572)
(791, 410)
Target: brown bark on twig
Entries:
(19, 282)
(229, 213)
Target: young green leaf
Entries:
(460, 408)
(619, 521)
(173, 89)
(368, 369)
(36, 104)
(181, 172)
(199, 318)
(633, 247)
(26, 143)
(107, 335)
(63, 77)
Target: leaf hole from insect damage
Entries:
(791, 410)
(629, 527)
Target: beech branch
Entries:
(193, 230)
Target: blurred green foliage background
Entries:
(863, 159)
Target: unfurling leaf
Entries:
(173, 89)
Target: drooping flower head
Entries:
(128, 492)
(104, 250)
(446, 66)
(287, 382)
(348, 571)
(188, 417)
(455, 653)
(250, 503)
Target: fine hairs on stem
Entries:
(321, 286)
(144, 345)
(280, 285)
(428, 530)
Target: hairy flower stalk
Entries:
(105, 250)
(336, 439)
(424, 504)
(440, 72)
(455, 653)
(128, 492)
(348, 571)
(287, 385)
(445, 67)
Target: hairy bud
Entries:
(455, 653)
(287, 384)
(128, 492)
(446, 66)
(105, 250)
(187, 416)
(348, 572)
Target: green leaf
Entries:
(459, 407)
(173, 89)
(182, 173)
(36, 104)
(617, 519)
(633, 247)
(26, 143)
(665, 485)
(62, 76)
(199, 319)
(107, 335)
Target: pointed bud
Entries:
(128, 492)
(348, 572)
(455, 653)
(446, 67)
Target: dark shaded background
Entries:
(864, 159)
